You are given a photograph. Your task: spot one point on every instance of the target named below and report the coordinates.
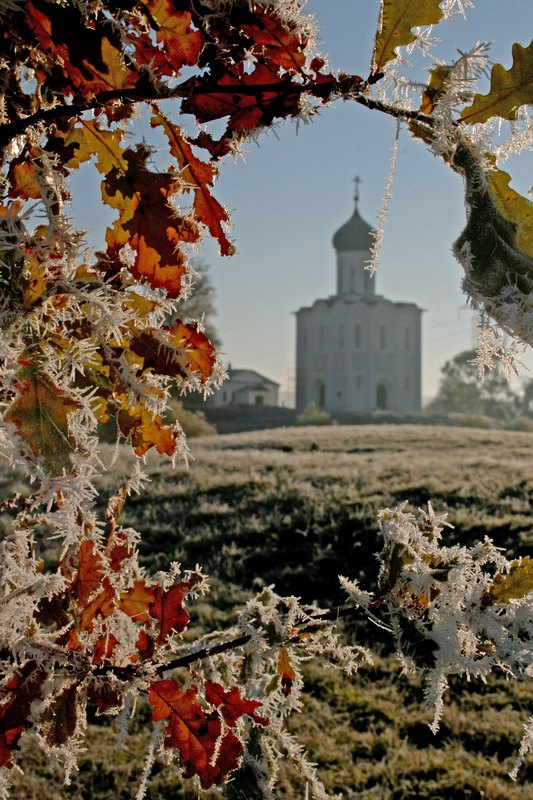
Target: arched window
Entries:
(357, 337)
(407, 339)
(320, 389)
(381, 396)
(382, 337)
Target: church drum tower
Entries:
(357, 351)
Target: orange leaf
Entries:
(104, 648)
(286, 671)
(103, 604)
(182, 44)
(90, 571)
(23, 180)
(147, 222)
(146, 431)
(136, 601)
(195, 733)
(199, 176)
(168, 610)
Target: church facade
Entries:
(357, 351)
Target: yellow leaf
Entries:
(91, 140)
(398, 18)
(516, 584)
(437, 86)
(41, 413)
(509, 89)
(512, 206)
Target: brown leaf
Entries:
(61, 716)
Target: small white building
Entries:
(356, 351)
(245, 387)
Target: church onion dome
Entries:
(356, 234)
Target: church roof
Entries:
(354, 234)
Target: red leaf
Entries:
(250, 99)
(104, 648)
(16, 696)
(167, 607)
(195, 733)
(233, 705)
(276, 41)
(168, 610)
(145, 645)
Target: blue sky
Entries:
(294, 188)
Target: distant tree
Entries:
(199, 305)
(462, 390)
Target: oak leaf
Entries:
(136, 601)
(276, 41)
(233, 706)
(285, 671)
(88, 58)
(60, 717)
(41, 414)
(88, 139)
(103, 604)
(397, 21)
(180, 351)
(147, 223)
(515, 584)
(199, 176)
(513, 206)
(509, 89)
(197, 735)
(17, 693)
(104, 648)
(90, 571)
(146, 430)
(23, 179)
(181, 43)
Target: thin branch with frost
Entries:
(378, 234)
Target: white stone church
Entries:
(356, 351)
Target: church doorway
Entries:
(381, 397)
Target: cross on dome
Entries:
(357, 180)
